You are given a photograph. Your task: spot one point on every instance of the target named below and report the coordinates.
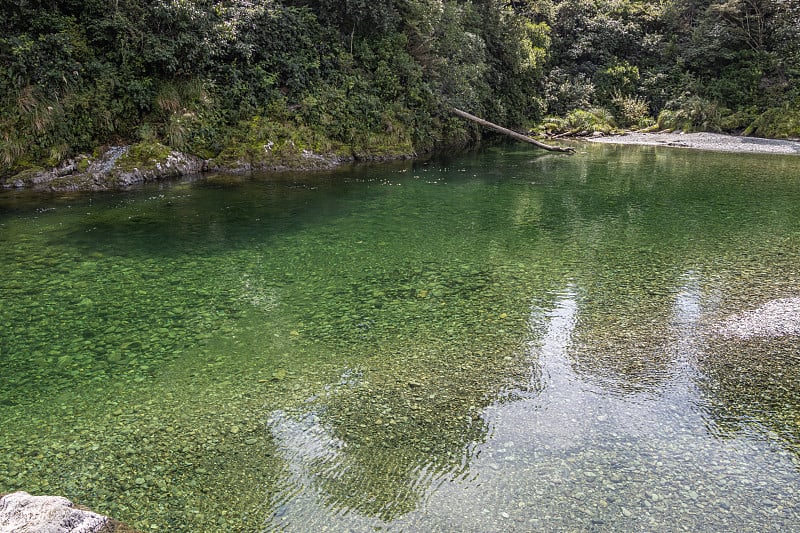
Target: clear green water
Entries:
(504, 341)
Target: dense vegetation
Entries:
(718, 65)
(226, 78)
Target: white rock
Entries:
(22, 513)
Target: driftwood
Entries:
(511, 133)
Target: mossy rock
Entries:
(282, 154)
(73, 182)
(142, 155)
(380, 145)
(26, 176)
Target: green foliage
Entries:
(580, 122)
(591, 120)
(619, 78)
(631, 111)
(777, 123)
(703, 65)
(357, 16)
(361, 77)
(565, 92)
(692, 113)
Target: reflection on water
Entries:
(562, 453)
(574, 457)
(500, 342)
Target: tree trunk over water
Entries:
(510, 133)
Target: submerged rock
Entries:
(21, 512)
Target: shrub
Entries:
(564, 92)
(692, 113)
(631, 111)
(620, 78)
(781, 122)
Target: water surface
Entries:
(501, 341)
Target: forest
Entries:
(378, 78)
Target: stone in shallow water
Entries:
(775, 318)
(23, 513)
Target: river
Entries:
(502, 340)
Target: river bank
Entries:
(716, 142)
(119, 167)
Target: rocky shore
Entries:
(115, 167)
(119, 167)
(716, 142)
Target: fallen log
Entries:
(511, 133)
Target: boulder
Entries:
(21, 512)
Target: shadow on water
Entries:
(211, 216)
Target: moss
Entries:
(82, 164)
(142, 155)
(288, 143)
(231, 156)
(382, 145)
(238, 154)
(262, 143)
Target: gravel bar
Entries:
(706, 141)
